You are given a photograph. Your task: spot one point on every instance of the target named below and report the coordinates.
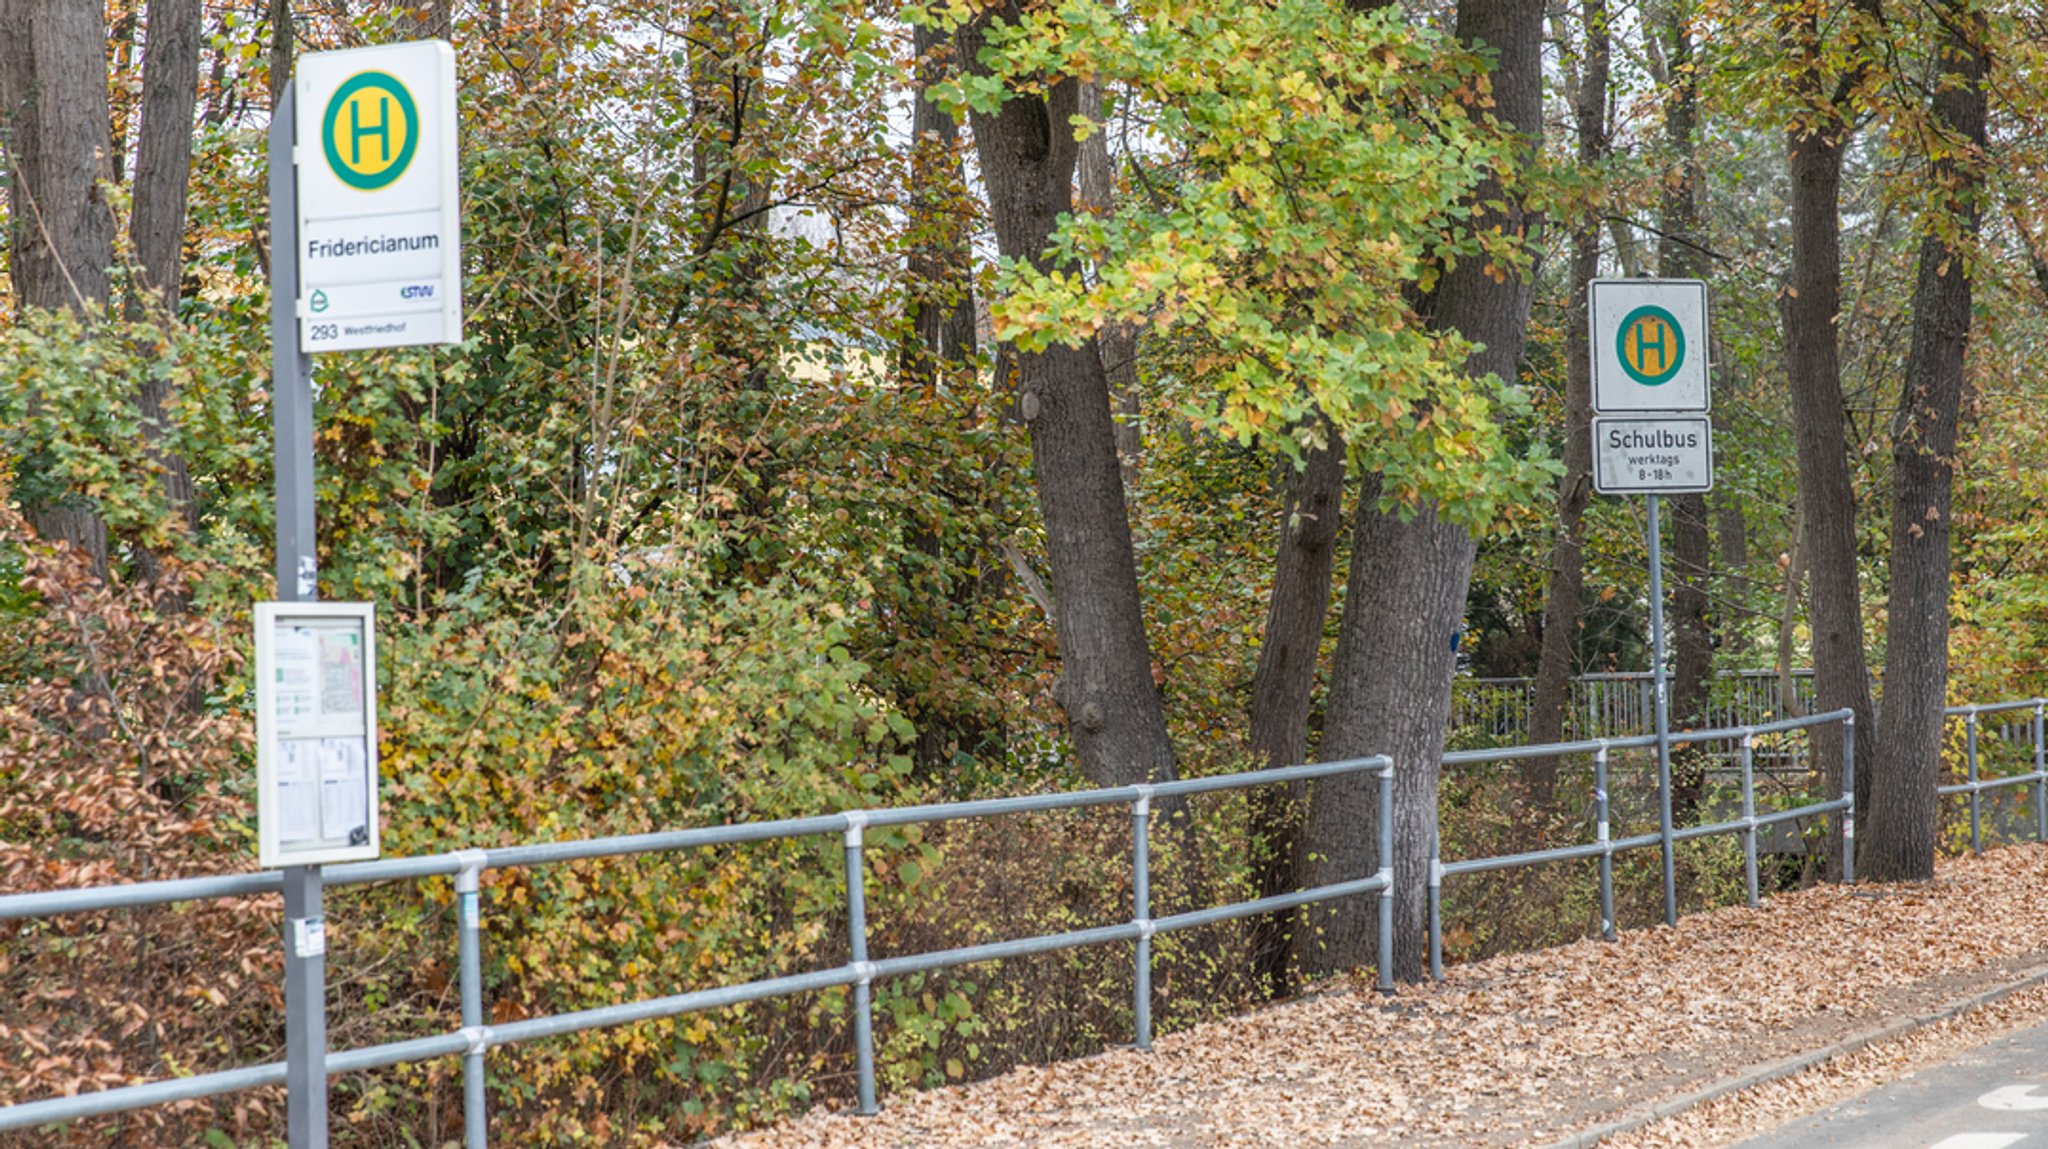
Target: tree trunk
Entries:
(163, 170)
(1117, 342)
(1566, 585)
(1827, 496)
(53, 79)
(1900, 832)
(1390, 690)
(1112, 705)
(1284, 684)
(1681, 255)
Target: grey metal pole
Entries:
(291, 415)
(469, 930)
(2040, 780)
(1141, 912)
(1748, 820)
(305, 1009)
(857, 932)
(1386, 871)
(1661, 703)
(1849, 800)
(1604, 835)
(1436, 914)
(1970, 758)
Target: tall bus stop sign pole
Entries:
(1652, 436)
(365, 252)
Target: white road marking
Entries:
(2013, 1099)
(1979, 1141)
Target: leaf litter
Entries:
(1524, 1049)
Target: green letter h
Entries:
(357, 130)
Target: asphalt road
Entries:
(1993, 1097)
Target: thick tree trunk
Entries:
(1567, 581)
(163, 170)
(1899, 838)
(1390, 691)
(1812, 365)
(1112, 705)
(53, 80)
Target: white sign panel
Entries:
(1649, 345)
(1652, 454)
(380, 228)
(316, 732)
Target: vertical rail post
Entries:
(469, 928)
(1748, 819)
(1604, 835)
(1970, 758)
(1436, 914)
(1386, 875)
(1662, 706)
(1141, 915)
(863, 973)
(2040, 780)
(1848, 800)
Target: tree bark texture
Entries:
(1283, 685)
(1899, 840)
(1114, 714)
(53, 80)
(1390, 689)
(1567, 576)
(163, 175)
(1117, 343)
(1813, 368)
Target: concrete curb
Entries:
(1798, 1063)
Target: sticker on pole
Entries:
(380, 227)
(1652, 454)
(1650, 345)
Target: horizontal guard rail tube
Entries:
(1777, 816)
(1991, 708)
(1545, 750)
(1560, 854)
(1688, 833)
(1987, 784)
(1731, 733)
(136, 894)
(996, 951)
(1194, 918)
(512, 1033)
(29, 1114)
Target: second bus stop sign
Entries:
(1650, 344)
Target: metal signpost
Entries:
(365, 252)
(1651, 436)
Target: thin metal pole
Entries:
(291, 414)
(305, 1009)
(1848, 797)
(2040, 780)
(1604, 836)
(1663, 714)
(1436, 914)
(857, 933)
(1748, 820)
(1386, 871)
(1141, 913)
(1970, 755)
(469, 931)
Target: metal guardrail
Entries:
(1975, 787)
(1604, 847)
(475, 1038)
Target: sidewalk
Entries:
(1526, 1050)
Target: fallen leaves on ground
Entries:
(1517, 1050)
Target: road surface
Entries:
(1993, 1097)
